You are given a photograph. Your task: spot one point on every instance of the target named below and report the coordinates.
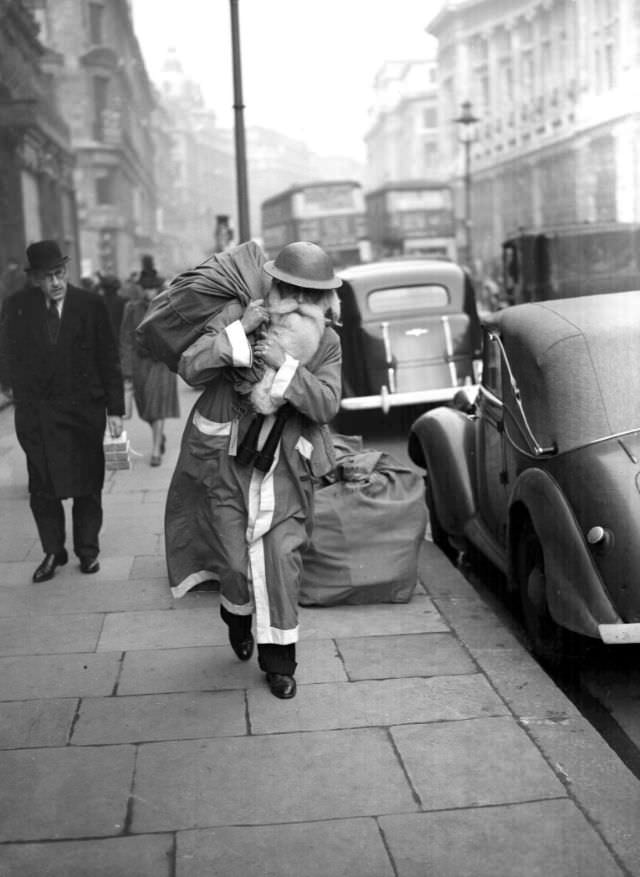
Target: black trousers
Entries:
(86, 515)
(271, 658)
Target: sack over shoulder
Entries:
(179, 314)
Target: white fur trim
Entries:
(283, 377)
(305, 447)
(240, 347)
(236, 608)
(210, 427)
(191, 581)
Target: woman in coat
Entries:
(155, 388)
(234, 513)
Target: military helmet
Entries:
(305, 264)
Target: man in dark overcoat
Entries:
(59, 356)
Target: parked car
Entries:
(541, 472)
(410, 333)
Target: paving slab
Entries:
(375, 703)
(150, 567)
(603, 786)
(294, 778)
(475, 623)
(550, 839)
(418, 616)
(36, 723)
(64, 793)
(524, 685)
(16, 548)
(160, 717)
(427, 654)
(339, 848)
(216, 668)
(474, 762)
(160, 629)
(29, 677)
(141, 856)
(49, 634)
(78, 594)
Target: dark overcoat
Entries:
(62, 392)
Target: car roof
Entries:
(388, 273)
(392, 269)
(577, 365)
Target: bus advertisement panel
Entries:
(411, 217)
(331, 214)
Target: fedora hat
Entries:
(44, 256)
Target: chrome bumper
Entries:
(619, 634)
(386, 400)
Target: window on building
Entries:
(528, 75)
(100, 104)
(430, 158)
(42, 18)
(105, 188)
(96, 12)
(430, 117)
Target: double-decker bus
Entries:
(411, 217)
(331, 214)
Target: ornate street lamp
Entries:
(467, 122)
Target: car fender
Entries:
(576, 595)
(441, 442)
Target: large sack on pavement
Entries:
(368, 525)
(179, 314)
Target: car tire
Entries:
(439, 535)
(547, 640)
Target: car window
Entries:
(408, 298)
(492, 365)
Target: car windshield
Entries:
(408, 298)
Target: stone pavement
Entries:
(423, 742)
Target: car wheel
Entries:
(439, 535)
(547, 639)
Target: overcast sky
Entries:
(307, 65)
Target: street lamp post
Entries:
(238, 109)
(467, 120)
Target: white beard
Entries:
(298, 328)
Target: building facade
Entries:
(106, 99)
(36, 160)
(555, 85)
(402, 142)
(196, 181)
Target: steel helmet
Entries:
(305, 264)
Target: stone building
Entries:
(36, 161)
(402, 139)
(107, 101)
(555, 85)
(197, 183)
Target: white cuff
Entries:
(240, 347)
(283, 377)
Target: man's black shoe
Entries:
(48, 566)
(243, 648)
(281, 685)
(89, 564)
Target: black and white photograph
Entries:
(319, 438)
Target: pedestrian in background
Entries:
(59, 355)
(110, 290)
(236, 513)
(11, 280)
(155, 387)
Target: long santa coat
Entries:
(62, 392)
(229, 522)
